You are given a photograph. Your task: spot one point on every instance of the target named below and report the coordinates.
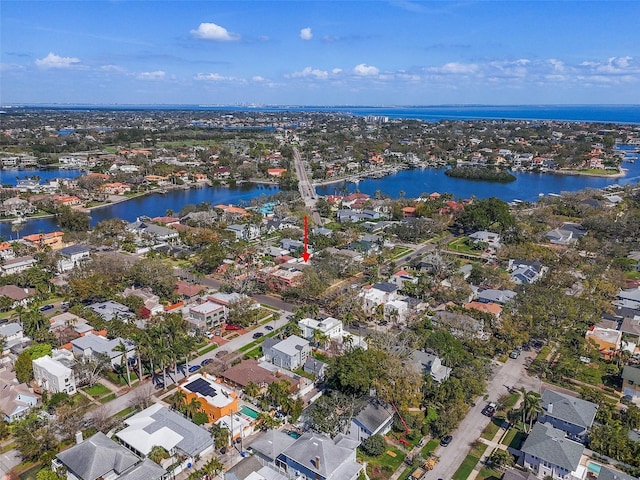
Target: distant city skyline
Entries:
(319, 53)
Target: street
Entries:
(510, 374)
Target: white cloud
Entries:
(55, 61)
(311, 72)
(112, 68)
(558, 65)
(458, 68)
(365, 70)
(305, 34)
(157, 75)
(258, 78)
(215, 77)
(336, 71)
(211, 31)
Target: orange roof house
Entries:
(608, 340)
(492, 308)
(216, 399)
(53, 239)
(276, 172)
(409, 212)
(68, 200)
(232, 209)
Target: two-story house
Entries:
(631, 381)
(550, 454)
(53, 375)
(290, 353)
(572, 415)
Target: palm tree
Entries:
(158, 453)
(213, 467)
(252, 389)
(178, 400)
(530, 406)
(124, 361)
(192, 407)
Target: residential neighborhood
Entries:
(306, 336)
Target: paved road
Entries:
(307, 190)
(510, 374)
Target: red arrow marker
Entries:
(306, 255)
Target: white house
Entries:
(331, 327)
(53, 376)
(17, 265)
(378, 294)
(549, 453)
(490, 238)
(290, 353)
(72, 256)
(206, 315)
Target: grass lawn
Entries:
(257, 353)
(30, 474)
(382, 467)
(126, 412)
(514, 438)
(208, 348)
(543, 353)
(460, 245)
(490, 430)
(466, 467)
(430, 447)
(469, 463)
(511, 401)
(108, 398)
(488, 474)
(321, 357)
(97, 390)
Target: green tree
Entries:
(530, 406)
(72, 220)
(158, 454)
(374, 446)
(47, 474)
(220, 436)
(500, 459)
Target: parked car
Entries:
(194, 368)
(44, 308)
(489, 410)
(206, 361)
(269, 327)
(221, 353)
(209, 335)
(514, 354)
(258, 335)
(446, 440)
(217, 333)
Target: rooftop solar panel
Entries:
(202, 387)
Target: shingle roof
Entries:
(608, 473)
(570, 409)
(373, 415)
(97, 456)
(551, 445)
(312, 446)
(385, 287)
(272, 443)
(631, 373)
(146, 470)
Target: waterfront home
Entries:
(6, 251)
(16, 399)
(550, 454)
(17, 265)
(149, 231)
(16, 207)
(52, 240)
(572, 415)
(490, 238)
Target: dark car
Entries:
(444, 441)
(194, 368)
(514, 354)
(258, 335)
(221, 353)
(489, 410)
(206, 361)
(269, 327)
(44, 308)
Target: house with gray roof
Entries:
(110, 309)
(99, 457)
(269, 445)
(317, 457)
(290, 353)
(491, 295)
(72, 256)
(91, 344)
(424, 362)
(549, 453)
(16, 399)
(525, 271)
(250, 468)
(151, 231)
(628, 298)
(608, 473)
(572, 415)
(373, 419)
(157, 425)
(631, 381)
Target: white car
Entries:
(209, 335)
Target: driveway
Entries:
(9, 460)
(510, 374)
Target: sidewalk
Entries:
(491, 446)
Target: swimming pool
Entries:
(594, 467)
(249, 412)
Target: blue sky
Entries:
(320, 53)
